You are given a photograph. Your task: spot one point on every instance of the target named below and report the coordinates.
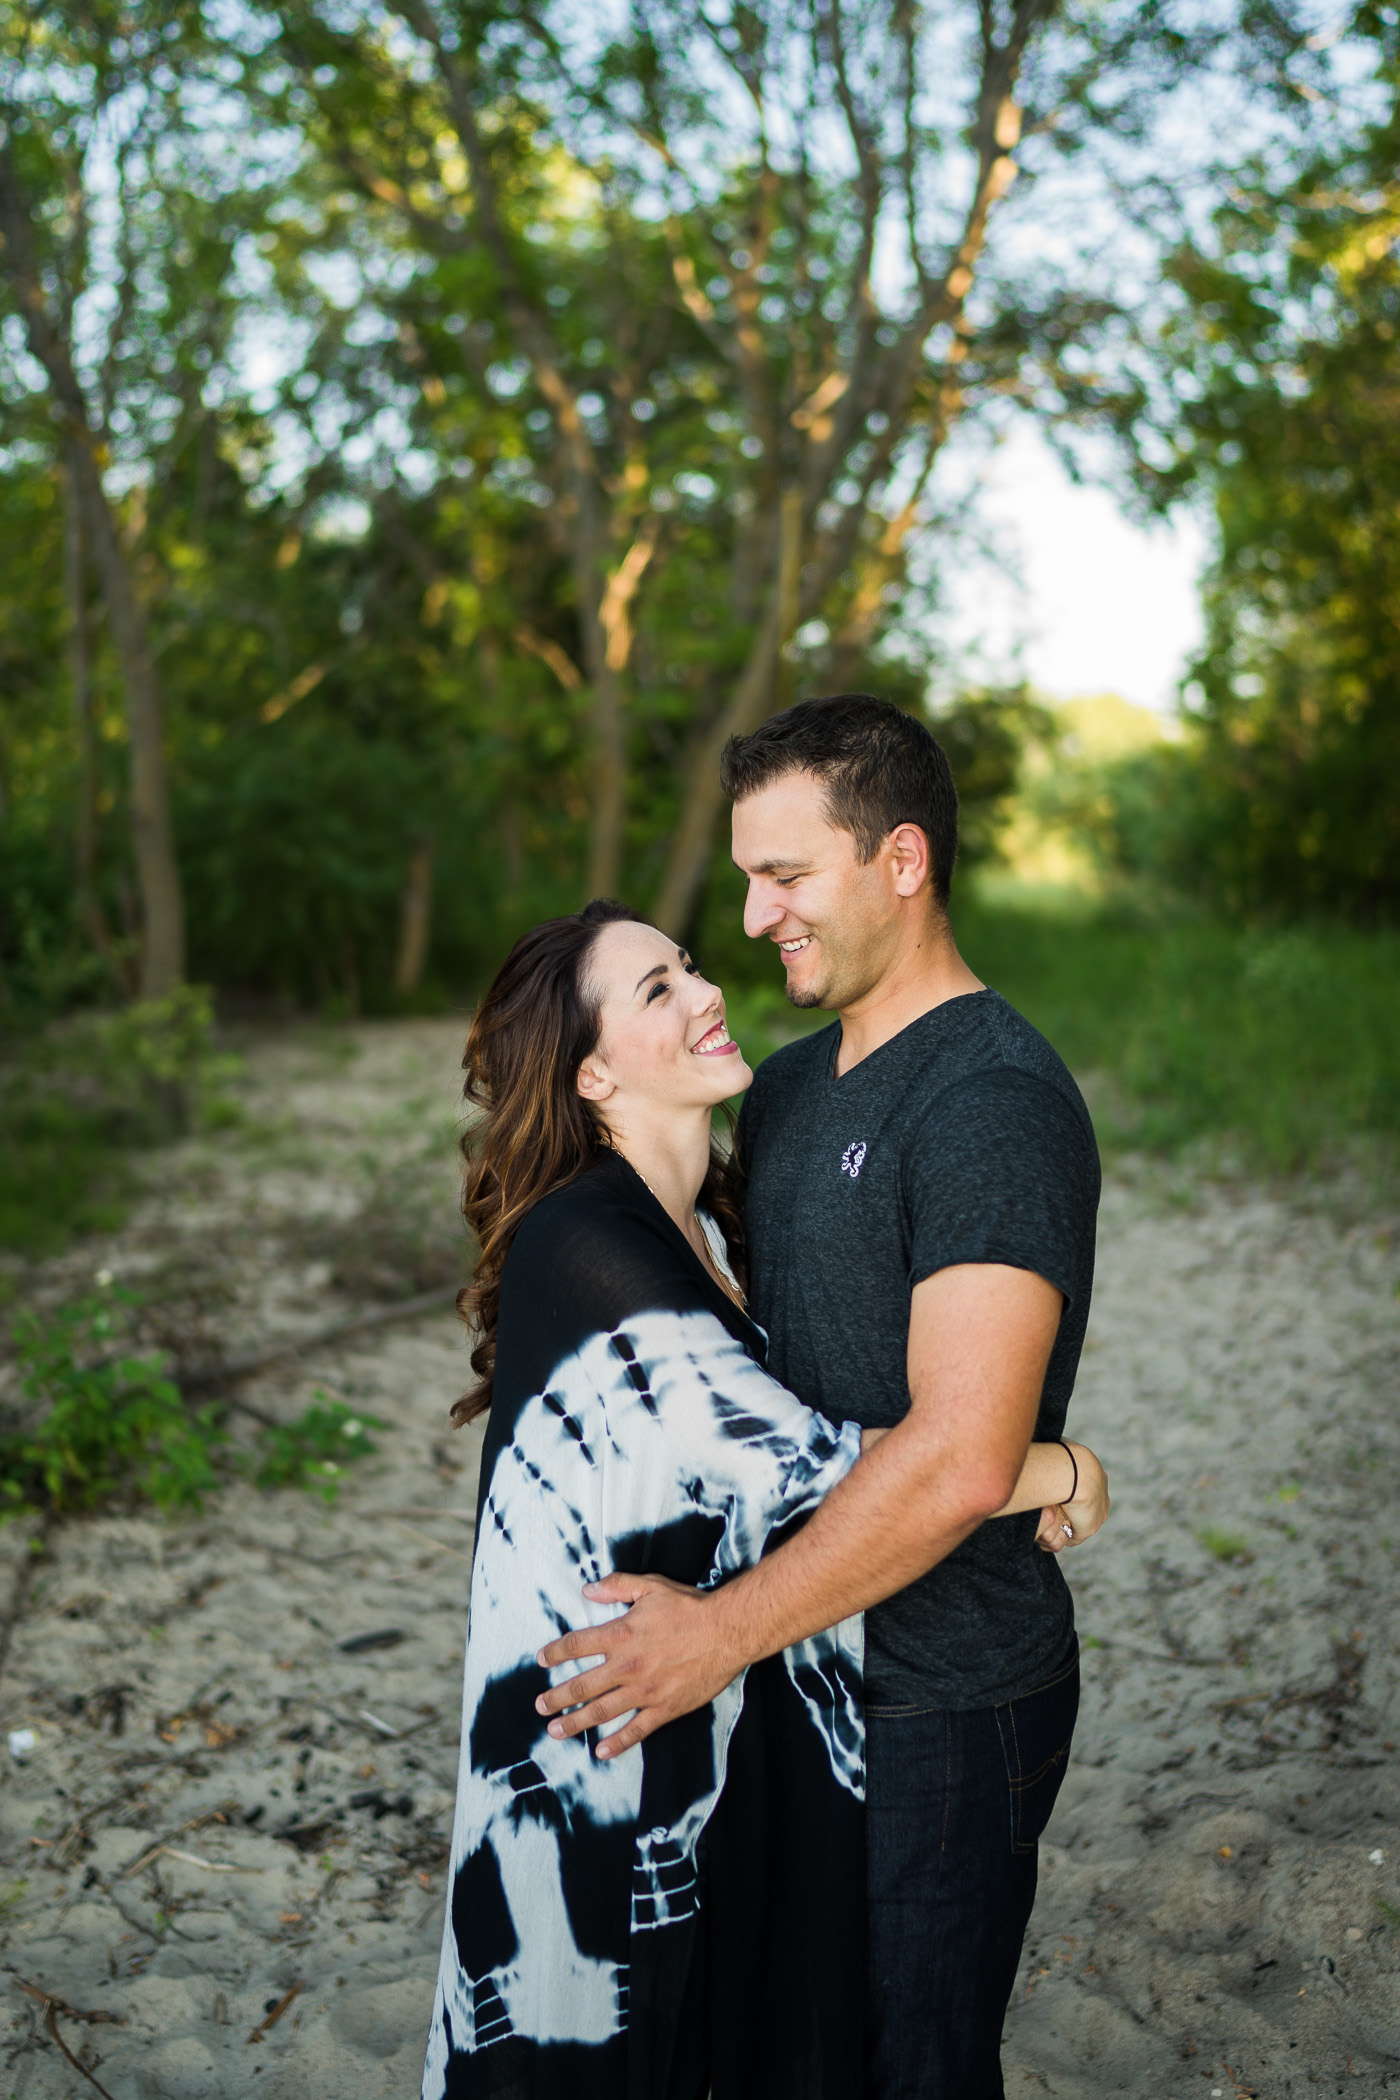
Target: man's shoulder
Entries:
(996, 1045)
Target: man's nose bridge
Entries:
(760, 908)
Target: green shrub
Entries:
(100, 1423)
(313, 1451)
(75, 1098)
(103, 1423)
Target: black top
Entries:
(685, 1917)
(963, 1139)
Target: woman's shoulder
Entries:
(599, 1200)
(600, 1238)
(589, 1258)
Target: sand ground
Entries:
(224, 1802)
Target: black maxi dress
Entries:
(687, 1919)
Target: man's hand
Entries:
(980, 1336)
(663, 1658)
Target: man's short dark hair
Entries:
(879, 767)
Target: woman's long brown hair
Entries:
(535, 1132)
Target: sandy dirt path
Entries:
(246, 1720)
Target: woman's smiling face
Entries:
(662, 1039)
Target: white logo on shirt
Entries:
(852, 1160)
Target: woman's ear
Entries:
(593, 1082)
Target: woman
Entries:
(687, 1919)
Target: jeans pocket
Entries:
(1036, 1732)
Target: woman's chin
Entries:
(723, 1075)
(732, 1076)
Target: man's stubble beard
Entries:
(841, 985)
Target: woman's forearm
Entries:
(1047, 1477)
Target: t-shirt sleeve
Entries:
(1003, 1169)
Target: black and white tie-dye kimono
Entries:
(688, 1919)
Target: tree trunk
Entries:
(753, 700)
(610, 635)
(163, 929)
(416, 922)
(609, 785)
(157, 872)
(89, 909)
(789, 591)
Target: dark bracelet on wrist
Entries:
(1075, 1463)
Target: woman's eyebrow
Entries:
(658, 970)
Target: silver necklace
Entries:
(730, 1290)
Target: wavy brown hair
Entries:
(535, 1132)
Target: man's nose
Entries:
(763, 909)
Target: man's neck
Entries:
(926, 973)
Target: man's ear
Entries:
(593, 1082)
(913, 864)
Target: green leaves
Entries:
(101, 1423)
(314, 1450)
(77, 1097)
(107, 1424)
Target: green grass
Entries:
(78, 1097)
(1225, 1545)
(1286, 1042)
(60, 1175)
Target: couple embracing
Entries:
(771, 1670)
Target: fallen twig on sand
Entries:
(275, 2015)
(201, 1377)
(424, 1540)
(191, 1859)
(383, 1727)
(52, 2007)
(446, 1516)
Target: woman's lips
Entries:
(716, 1043)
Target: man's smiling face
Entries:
(833, 917)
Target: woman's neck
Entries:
(670, 1149)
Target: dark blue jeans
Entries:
(955, 1805)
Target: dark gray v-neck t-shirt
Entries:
(963, 1139)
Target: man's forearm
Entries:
(979, 1341)
(875, 1533)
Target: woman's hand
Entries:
(1071, 1523)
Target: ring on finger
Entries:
(1068, 1529)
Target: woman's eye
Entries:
(692, 969)
(656, 992)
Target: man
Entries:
(922, 1183)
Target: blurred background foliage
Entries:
(491, 408)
